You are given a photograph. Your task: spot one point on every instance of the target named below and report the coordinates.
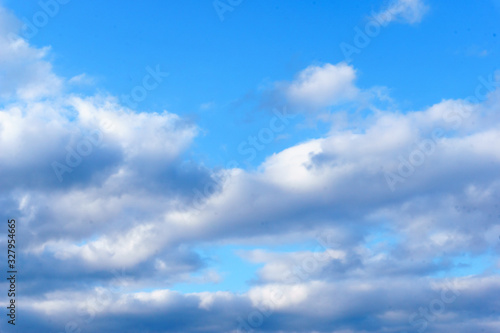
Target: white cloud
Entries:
(408, 11)
(320, 86)
(207, 106)
(81, 79)
(130, 204)
(24, 71)
(388, 302)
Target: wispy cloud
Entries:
(407, 11)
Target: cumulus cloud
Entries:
(335, 307)
(25, 73)
(334, 183)
(396, 208)
(321, 86)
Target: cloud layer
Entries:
(402, 211)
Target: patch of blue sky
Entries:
(468, 264)
(236, 272)
(253, 48)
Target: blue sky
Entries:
(229, 165)
(220, 63)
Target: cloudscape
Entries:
(250, 166)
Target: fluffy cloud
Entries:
(347, 306)
(334, 183)
(25, 74)
(397, 209)
(321, 86)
